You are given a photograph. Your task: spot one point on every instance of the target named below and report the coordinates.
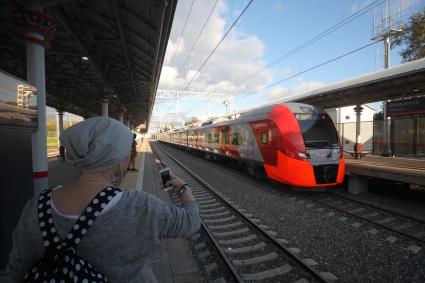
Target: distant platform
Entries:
(406, 170)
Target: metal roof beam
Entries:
(121, 32)
(64, 22)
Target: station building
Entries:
(407, 128)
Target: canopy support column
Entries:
(104, 107)
(358, 148)
(60, 131)
(36, 39)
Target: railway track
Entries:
(396, 222)
(249, 249)
(389, 219)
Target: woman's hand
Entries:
(175, 182)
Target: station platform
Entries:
(404, 170)
(173, 262)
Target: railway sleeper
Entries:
(255, 260)
(221, 220)
(385, 220)
(403, 226)
(225, 226)
(231, 233)
(210, 205)
(246, 249)
(241, 240)
(281, 270)
(204, 198)
(370, 215)
(200, 194)
(209, 210)
(215, 215)
(202, 202)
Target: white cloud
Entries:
(278, 6)
(280, 92)
(239, 55)
(358, 6)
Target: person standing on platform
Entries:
(133, 154)
(118, 230)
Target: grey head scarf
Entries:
(97, 144)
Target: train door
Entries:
(250, 142)
(224, 139)
(267, 144)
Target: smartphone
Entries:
(165, 176)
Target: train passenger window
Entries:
(264, 137)
(209, 138)
(235, 138)
(216, 138)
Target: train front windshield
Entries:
(318, 130)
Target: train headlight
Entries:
(302, 155)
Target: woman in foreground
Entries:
(127, 226)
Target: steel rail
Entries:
(388, 211)
(294, 257)
(232, 269)
(375, 206)
(371, 221)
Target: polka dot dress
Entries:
(60, 262)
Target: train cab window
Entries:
(235, 138)
(318, 130)
(264, 137)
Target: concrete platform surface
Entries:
(173, 262)
(406, 170)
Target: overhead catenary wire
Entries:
(319, 36)
(217, 45)
(199, 35)
(316, 38)
(307, 70)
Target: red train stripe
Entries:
(39, 175)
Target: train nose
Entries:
(330, 173)
(325, 174)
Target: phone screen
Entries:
(165, 175)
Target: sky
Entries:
(268, 30)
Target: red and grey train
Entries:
(296, 144)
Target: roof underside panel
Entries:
(397, 82)
(125, 41)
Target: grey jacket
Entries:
(119, 244)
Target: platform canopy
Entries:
(404, 80)
(99, 49)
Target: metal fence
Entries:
(407, 136)
(347, 135)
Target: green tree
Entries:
(51, 125)
(412, 39)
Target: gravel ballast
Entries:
(351, 249)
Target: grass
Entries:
(52, 142)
